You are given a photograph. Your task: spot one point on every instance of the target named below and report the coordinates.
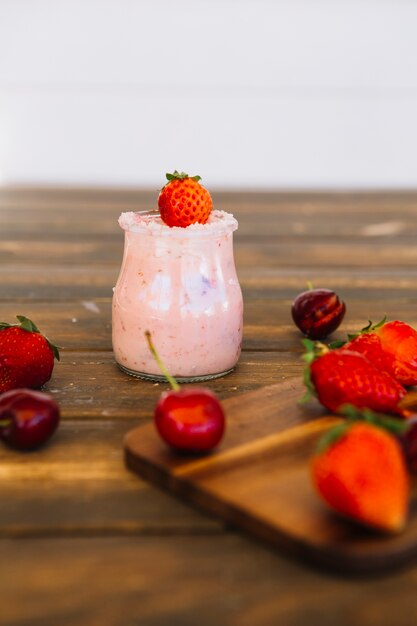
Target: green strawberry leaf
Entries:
(336, 344)
(310, 353)
(306, 397)
(313, 350)
(176, 175)
(369, 328)
(307, 379)
(331, 436)
(54, 348)
(26, 324)
(180, 176)
(394, 425)
(378, 325)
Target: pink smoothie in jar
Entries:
(181, 285)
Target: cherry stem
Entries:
(310, 285)
(5, 423)
(174, 385)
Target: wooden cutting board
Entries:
(258, 479)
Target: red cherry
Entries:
(409, 443)
(318, 312)
(190, 419)
(27, 418)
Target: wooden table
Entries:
(83, 541)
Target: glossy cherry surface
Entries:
(318, 312)
(27, 418)
(190, 419)
(409, 443)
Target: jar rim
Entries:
(150, 223)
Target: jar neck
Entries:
(140, 243)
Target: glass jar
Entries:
(180, 284)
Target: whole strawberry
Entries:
(183, 201)
(339, 377)
(359, 470)
(26, 356)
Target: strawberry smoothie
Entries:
(181, 285)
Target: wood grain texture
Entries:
(160, 581)
(85, 325)
(258, 478)
(183, 581)
(90, 385)
(273, 254)
(78, 485)
(60, 251)
(63, 283)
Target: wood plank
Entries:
(248, 584)
(86, 325)
(94, 212)
(262, 282)
(324, 201)
(269, 255)
(46, 283)
(299, 221)
(91, 386)
(183, 581)
(78, 485)
(258, 478)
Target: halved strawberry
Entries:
(391, 346)
(399, 341)
(370, 345)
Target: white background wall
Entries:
(254, 93)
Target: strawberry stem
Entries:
(337, 344)
(174, 385)
(369, 328)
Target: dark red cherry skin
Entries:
(191, 419)
(33, 416)
(318, 312)
(409, 444)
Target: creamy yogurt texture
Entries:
(181, 285)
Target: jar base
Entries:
(180, 379)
